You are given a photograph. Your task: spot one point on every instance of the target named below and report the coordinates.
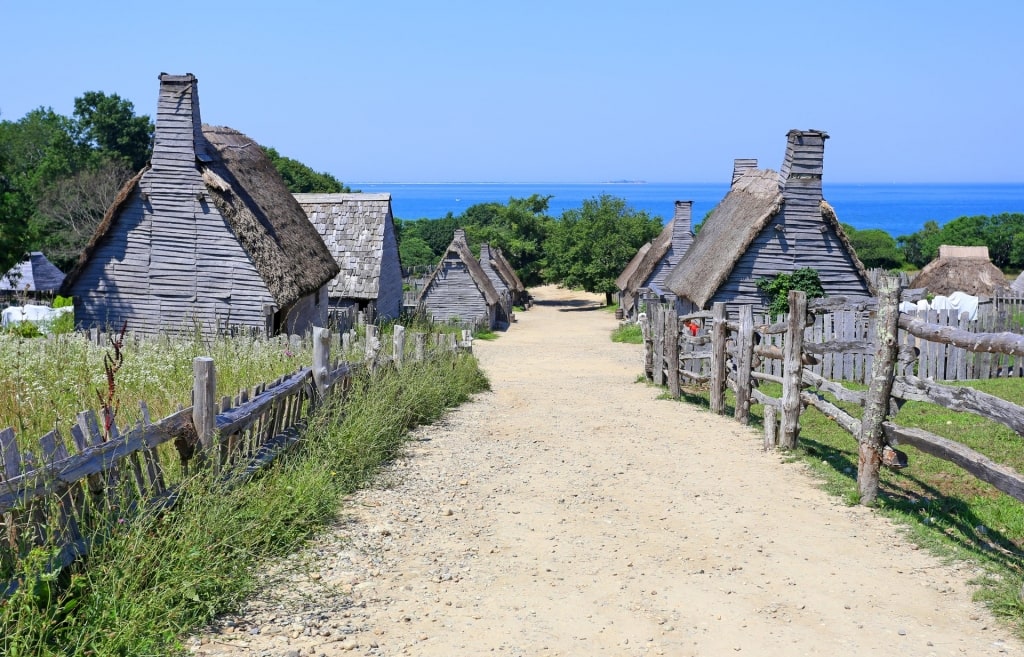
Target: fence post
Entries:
(321, 358)
(371, 342)
(658, 324)
(672, 351)
(744, 361)
(399, 343)
(717, 383)
(644, 319)
(204, 401)
(876, 402)
(792, 369)
(419, 341)
(771, 427)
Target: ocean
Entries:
(898, 208)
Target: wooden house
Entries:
(206, 236)
(769, 223)
(499, 283)
(647, 273)
(36, 274)
(508, 273)
(359, 230)
(460, 291)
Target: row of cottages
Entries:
(359, 231)
(518, 295)
(769, 223)
(644, 276)
(462, 289)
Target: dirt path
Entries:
(570, 512)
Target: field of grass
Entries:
(939, 505)
(153, 578)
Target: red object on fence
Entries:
(693, 326)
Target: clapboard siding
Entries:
(454, 295)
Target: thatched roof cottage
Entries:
(459, 289)
(359, 230)
(508, 273)
(649, 270)
(961, 269)
(769, 223)
(34, 274)
(207, 236)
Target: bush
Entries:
(777, 288)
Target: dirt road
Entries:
(571, 512)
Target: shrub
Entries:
(777, 288)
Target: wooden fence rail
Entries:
(743, 353)
(51, 497)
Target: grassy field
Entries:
(153, 578)
(941, 506)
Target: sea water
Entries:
(898, 208)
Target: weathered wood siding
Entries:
(681, 240)
(453, 294)
(170, 260)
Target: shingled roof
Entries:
(353, 227)
(252, 197)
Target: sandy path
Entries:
(570, 512)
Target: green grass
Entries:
(629, 333)
(939, 506)
(611, 308)
(155, 578)
(485, 334)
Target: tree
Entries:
(589, 247)
(301, 179)
(413, 250)
(108, 125)
(875, 247)
(519, 228)
(921, 247)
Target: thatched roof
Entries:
(725, 235)
(271, 225)
(460, 249)
(623, 280)
(969, 270)
(36, 274)
(252, 197)
(676, 233)
(353, 227)
(507, 272)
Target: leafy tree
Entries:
(108, 124)
(589, 247)
(777, 288)
(413, 250)
(519, 228)
(301, 178)
(921, 247)
(875, 247)
(437, 233)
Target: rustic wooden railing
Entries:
(738, 348)
(52, 497)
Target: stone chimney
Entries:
(178, 139)
(741, 165)
(801, 167)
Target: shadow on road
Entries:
(569, 305)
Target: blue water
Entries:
(899, 209)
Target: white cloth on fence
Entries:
(958, 303)
(41, 315)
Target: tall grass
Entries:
(153, 579)
(45, 383)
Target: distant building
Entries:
(359, 230)
(206, 236)
(460, 291)
(34, 274)
(646, 272)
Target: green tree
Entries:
(875, 247)
(302, 179)
(921, 247)
(413, 250)
(589, 247)
(109, 126)
(519, 228)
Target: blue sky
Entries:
(551, 91)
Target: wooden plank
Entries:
(745, 356)
(718, 356)
(793, 370)
(658, 323)
(672, 351)
(1002, 477)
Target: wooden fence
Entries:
(52, 497)
(727, 353)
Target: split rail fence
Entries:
(51, 497)
(795, 352)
